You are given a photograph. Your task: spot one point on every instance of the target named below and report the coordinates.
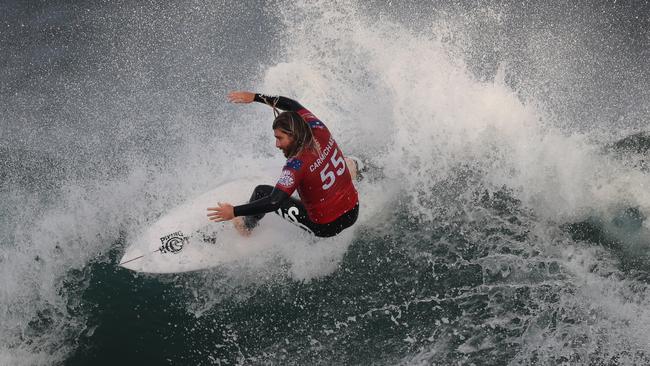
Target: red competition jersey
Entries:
(323, 181)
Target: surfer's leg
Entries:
(335, 227)
(260, 191)
(240, 226)
(295, 212)
(352, 167)
(356, 167)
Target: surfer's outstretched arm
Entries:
(225, 212)
(266, 204)
(280, 102)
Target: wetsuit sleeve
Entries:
(263, 205)
(284, 103)
(287, 104)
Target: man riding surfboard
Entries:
(315, 167)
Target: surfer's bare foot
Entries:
(352, 167)
(238, 223)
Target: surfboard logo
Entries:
(173, 243)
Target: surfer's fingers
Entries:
(234, 98)
(216, 208)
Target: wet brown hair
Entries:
(295, 126)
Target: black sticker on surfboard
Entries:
(173, 243)
(209, 239)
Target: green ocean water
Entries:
(382, 304)
(391, 297)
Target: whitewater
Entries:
(503, 221)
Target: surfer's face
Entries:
(283, 142)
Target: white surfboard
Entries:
(185, 240)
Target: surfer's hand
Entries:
(241, 97)
(223, 212)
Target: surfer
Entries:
(315, 167)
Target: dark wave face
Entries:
(633, 150)
(504, 219)
(636, 143)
